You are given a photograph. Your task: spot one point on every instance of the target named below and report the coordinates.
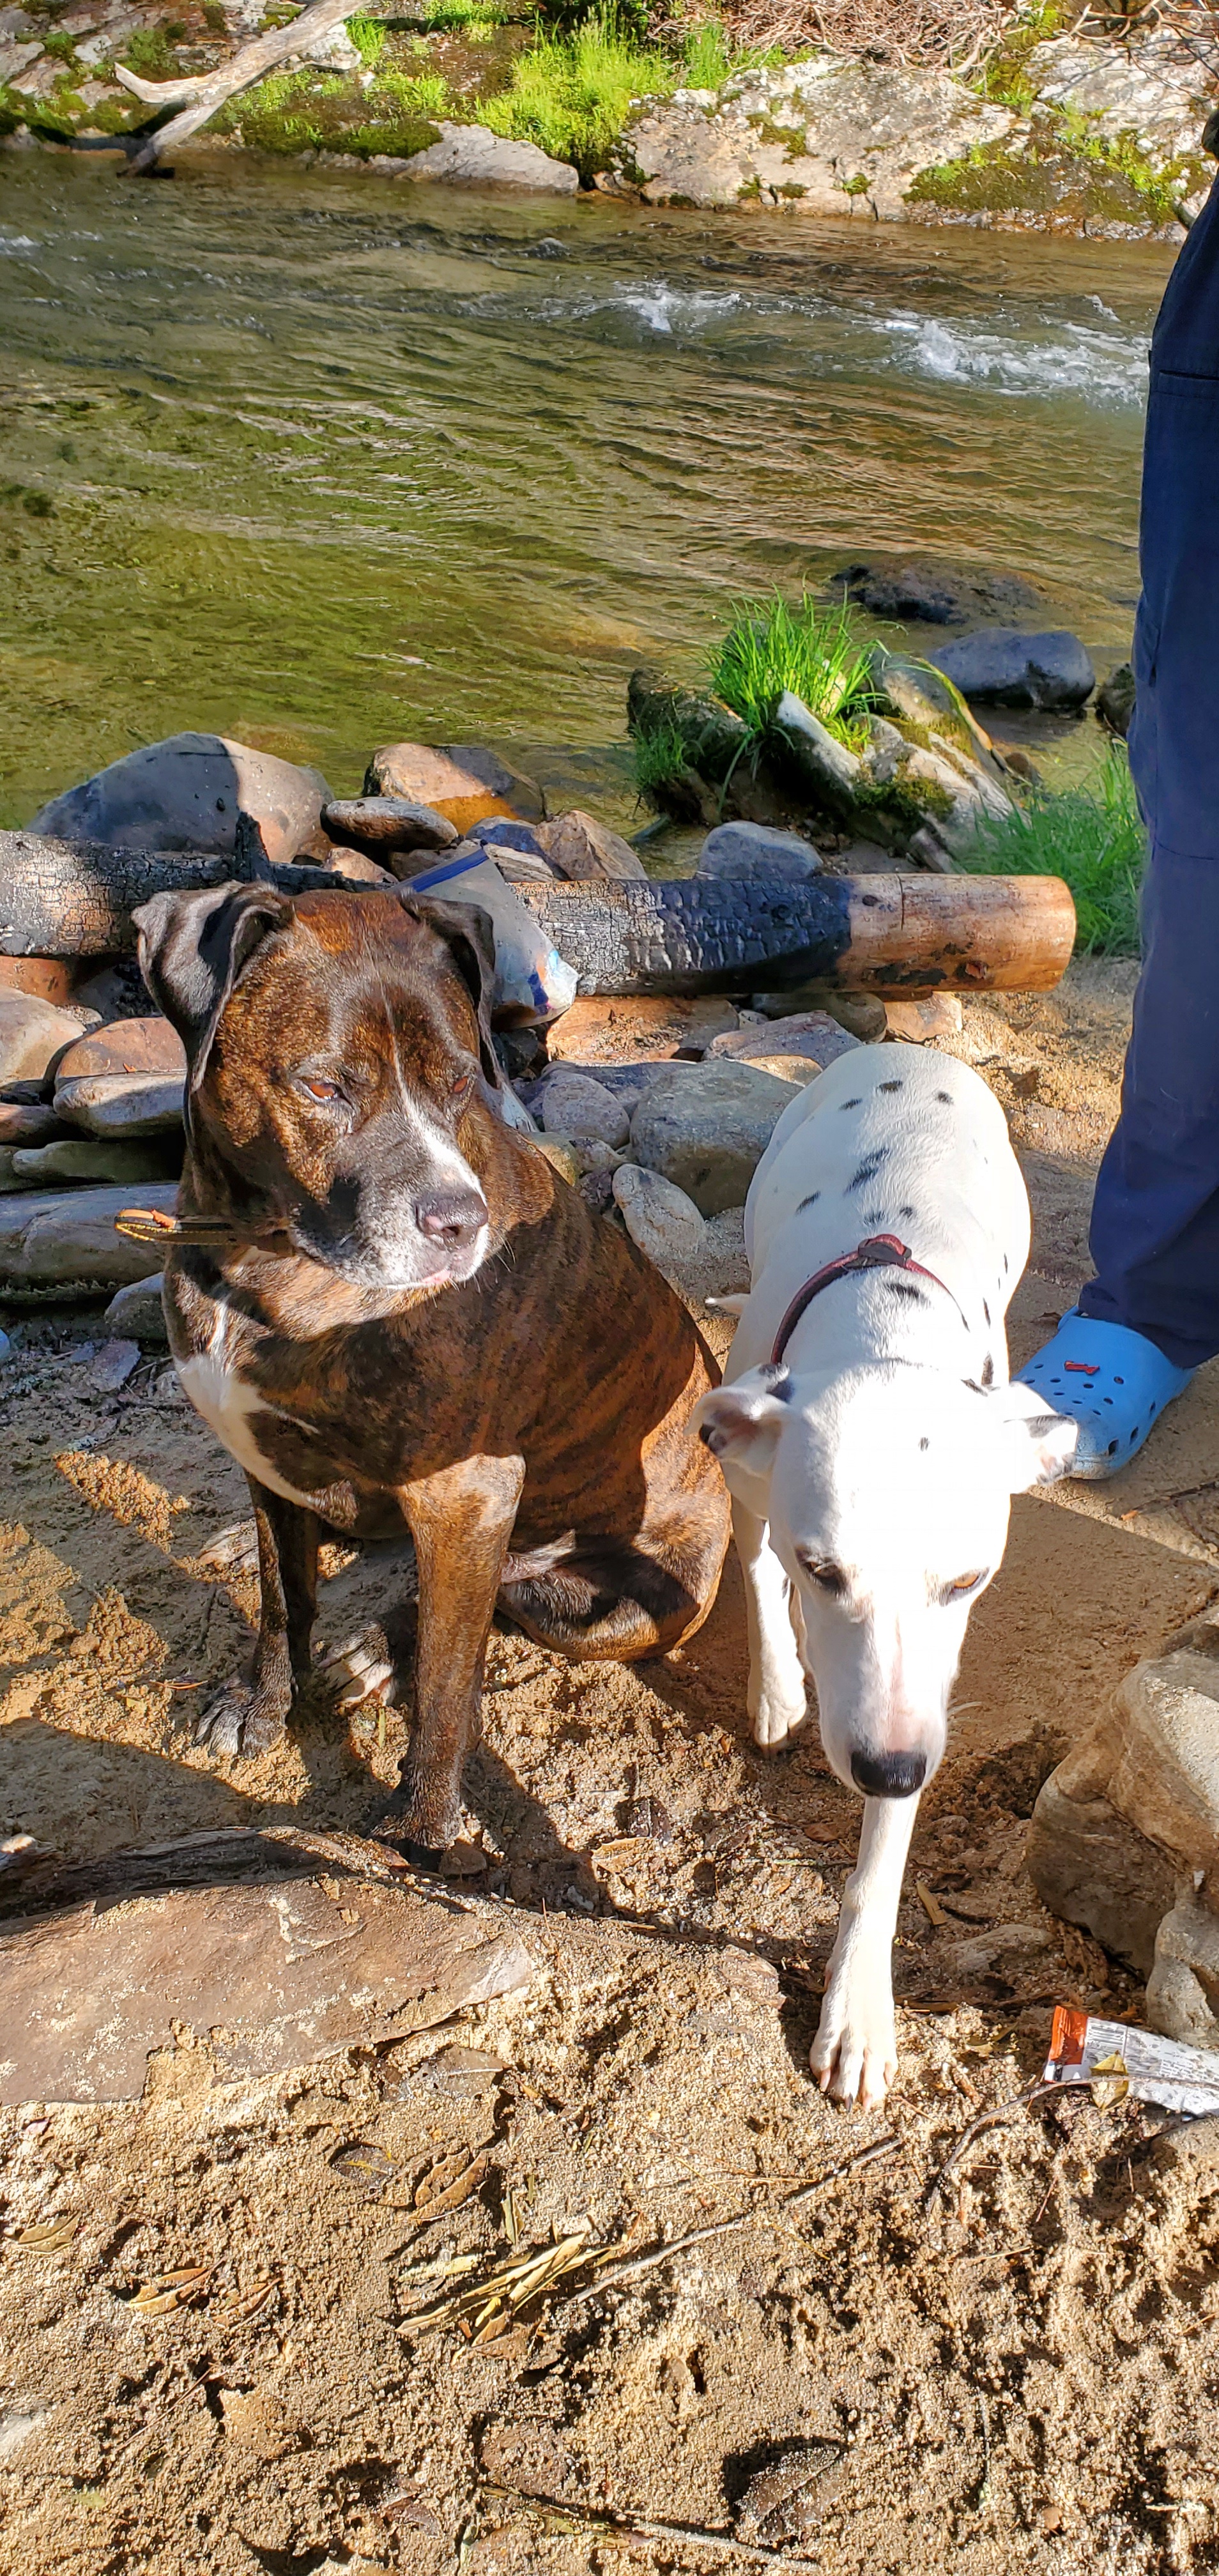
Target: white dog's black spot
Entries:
(946, 1097)
(852, 1104)
(924, 1442)
(907, 1211)
(810, 1201)
(986, 1313)
(907, 1288)
(890, 1086)
(988, 1371)
(868, 1169)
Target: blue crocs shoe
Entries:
(1113, 1382)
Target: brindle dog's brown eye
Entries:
(320, 1090)
(462, 1090)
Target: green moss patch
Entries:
(1067, 175)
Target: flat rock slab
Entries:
(126, 1046)
(935, 593)
(47, 1237)
(473, 156)
(462, 781)
(185, 793)
(34, 1034)
(269, 1977)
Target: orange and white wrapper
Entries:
(1117, 2059)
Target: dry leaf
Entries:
(365, 2165)
(931, 1905)
(238, 2305)
(449, 2183)
(169, 2290)
(51, 2238)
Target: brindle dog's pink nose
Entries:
(451, 1217)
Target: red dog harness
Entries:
(880, 1252)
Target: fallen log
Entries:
(883, 934)
(207, 91)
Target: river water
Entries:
(323, 461)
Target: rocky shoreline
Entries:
(1070, 135)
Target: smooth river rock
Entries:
(757, 850)
(138, 1311)
(34, 1035)
(75, 1159)
(923, 589)
(472, 155)
(185, 793)
(574, 1105)
(803, 1034)
(464, 781)
(382, 823)
(700, 1256)
(1002, 666)
(706, 1127)
(47, 1237)
(126, 1080)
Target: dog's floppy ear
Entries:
(192, 950)
(741, 1423)
(469, 936)
(1040, 1444)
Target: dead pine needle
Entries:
(576, 2518)
(638, 2263)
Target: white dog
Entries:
(871, 1442)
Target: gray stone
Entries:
(49, 1237)
(472, 156)
(1132, 1817)
(1155, 88)
(700, 1256)
(118, 1104)
(1190, 2146)
(381, 823)
(583, 850)
(112, 1365)
(1093, 1868)
(755, 850)
(1115, 700)
(138, 1313)
(922, 589)
(185, 794)
(79, 1158)
(464, 781)
(925, 1023)
(1183, 1988)
(576, 1106)
(799, 1034)
(840, 136)
(34, 1034)
(706, 1127)
(1002, 666)
(825, 764)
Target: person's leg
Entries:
(1151, 1314)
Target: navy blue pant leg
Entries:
(1155, 1218)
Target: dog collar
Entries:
(879, 1252)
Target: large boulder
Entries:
(706, 1127)
(471, 155)
(185, 794)
(756, 850)
(50, 1237)
(1005, 667)
(836, 136)
(1155, 89)
(35, 1035)
(463, 781)
(1125, 1833)
(803, 1035)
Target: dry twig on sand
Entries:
(947, 2172)
(578, 2518)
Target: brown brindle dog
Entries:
(409, 1321)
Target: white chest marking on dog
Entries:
(230, 1408)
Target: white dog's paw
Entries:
(359, 1669)
(854, 2055)
(775, 1716)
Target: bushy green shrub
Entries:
(1092, 837)
(572, 94)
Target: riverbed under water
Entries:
(322, 461)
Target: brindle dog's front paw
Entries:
(424, 1840)
(240, 1720)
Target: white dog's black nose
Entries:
(451, 1217)
(889, 1775)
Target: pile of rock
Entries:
(925, 777)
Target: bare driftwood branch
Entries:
(241, 72)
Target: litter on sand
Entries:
(1117, 2058)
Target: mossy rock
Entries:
(1065, 177)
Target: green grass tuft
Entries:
(660, 758)
(368, 37)
(811, 650)
(1093, 837)
(572, 94)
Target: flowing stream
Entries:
(322, 461)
